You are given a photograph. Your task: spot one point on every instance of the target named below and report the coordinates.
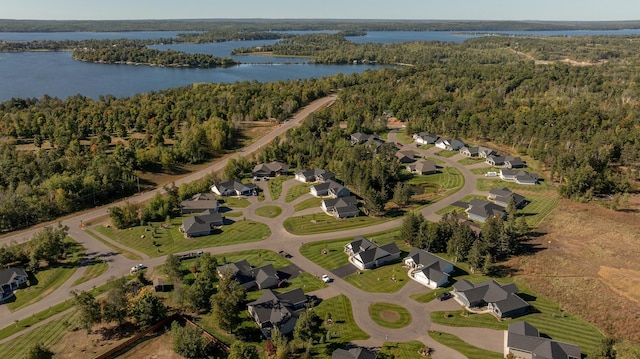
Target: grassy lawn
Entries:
(322, 223)
(344, 328)
(297, 191)
(94, 270)
(550, 320)
(486, 184)
(380, 280)
(437, 160)
(275, 186)
(306, 281)
(233, 214)
(429, 296)
(308, 203)
(269, 211)
(426, 146)
(480, 171)
(48, 334)
(437, 186)
(118, 249)
(471, 161)
(463, 347)
(335, 256)
(408, 350)
(170, 240)
(404, 137)
(233, 202)
(447, 154)
(389, 315)
(538, 209)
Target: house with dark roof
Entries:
(279, 310)
(359, 138)
(365, 254)
(480, 210)
(234, 188)
(495, 160)
(341, 207)
(514, 162)
(450, 144)
(469, 151)
(199, 203)
(519, 177)
(201, 225)
(10, 280)
(502, 196)
(271, 169)
(329, 188)
(314, 175)
(485, 152)
(500, 300)
(428, 269)
(424, 138)
(251, 278)
(423, 167)
(405, 156)
(353, 353)
(523, 341)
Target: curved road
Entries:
(281, 239)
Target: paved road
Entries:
(280, 239)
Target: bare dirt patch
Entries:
(390, 316)
(588, 262)
(159, 346)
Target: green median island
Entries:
(389, 315)
(268, 211)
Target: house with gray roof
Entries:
(341, 207)
(353, 353)
(485, 152)
(234, 188)
(365, 254)
(271, 169)
(251, 278)
(359, 138)
(502, 196)
(480, 210)
(518, 176)
(469, 151)
(523, 340)
(500, 300)
(201, 225)
(428, 269)
(424, 138)
(495, 160)
(450, 144)
(279, 310)
(329, 188)
(314, 175)
(10, 280)
(423, 167)
(405, 156)
(199, 203)
(514, 162)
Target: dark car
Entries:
(444, 296)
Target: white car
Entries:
(490, 174)
(138, 267)
(325, 278)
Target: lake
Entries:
(35, 74)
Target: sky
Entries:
(570, 10)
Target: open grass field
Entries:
(481, 171)
(426, 297)
(297, 191)
(275, 186)
(538, 209)
(447, 154)
(486, 184)
(118, 249)
(313, 202)
(93, 270)
(471, 161)
(170, 240)
(335, 256)
(233, 202)
(463, 347)
(268, 211)
(344, 328)
(407, 350)
(323, 223)
(233, 214)
(389, 315)
(439, 185)
(389, 278)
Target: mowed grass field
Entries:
(308, 203)
(323, 223)
(463, 347)
(437, 186)
(93, 270)
(406, 350)
(297, 191)
(388, 278)
(170, 240)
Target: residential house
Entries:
(424, 167)
(480, 210)
(495, 160)
(450, 144)
(198, 204)
(469, 151)
(201, 225)
(406, 156)
(359, 138)
(329, 188)
(502, 196)
(519, 177)
(425, 138)
(428, 269)
(523, 341)
(314, 175)
(10, 280)
(234, 188)
(353, 353)
(365, 254)
(341, 207)
(279, 310)
(485, 152)
(159, 286)
(514, 162)
(271, 169)
(261, 277)
(500, 300)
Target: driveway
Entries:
(345, 270)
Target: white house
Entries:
(428, 269)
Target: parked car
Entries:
(326, 278)
(444, 296)
(490, 174)
(138, 267)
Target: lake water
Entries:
(35, 74)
